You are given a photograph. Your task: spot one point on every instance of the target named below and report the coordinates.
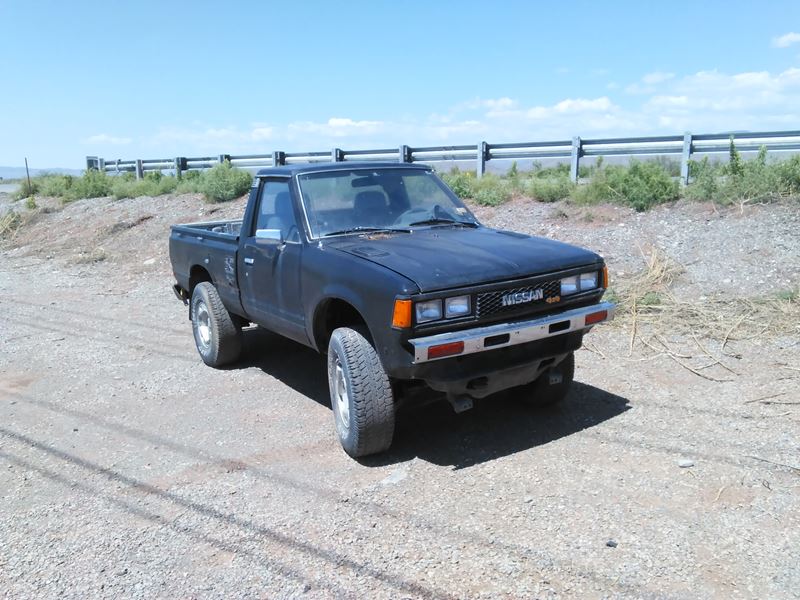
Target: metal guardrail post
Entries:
(482, 157)
(337, 155)
(278, 158)
(404, 154)
(685, 157)
(223, 157)
(101, 165)
(139, 169)
(180, 166)
(575, 159)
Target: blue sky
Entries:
(161, 79)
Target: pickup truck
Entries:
(381, 267)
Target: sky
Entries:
(163, 79)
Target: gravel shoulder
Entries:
(128, 468)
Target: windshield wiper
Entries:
(444, 221)
(367, 230)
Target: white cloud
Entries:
(647, 84)
(336, 127)
(786, 40)
(702, 102)
(657, 77)
(104, 138)
(711, 101)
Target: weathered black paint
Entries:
(295, 282)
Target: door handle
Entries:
(249, 261)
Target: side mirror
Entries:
(264, 235)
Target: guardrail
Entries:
(684, 146)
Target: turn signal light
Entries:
(402, 314)
(443, 350)
(596, 317)
(604, 282)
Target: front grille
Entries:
(490, 304)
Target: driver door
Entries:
(269, 262)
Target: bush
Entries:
(26, 189)
(55, 185)
(788, 173)
(491, 190)
(550, 189)
(93, 184)
(224, 182)
(704, 176)
(153, 184)
(461, 182)
(640, 185)
(741, 180)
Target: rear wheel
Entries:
(361, 394)
(217, 334)
(552, 386)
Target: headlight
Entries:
(428, 311)
(456, 307)
(588, 281)
(569, 285)
(579, 283)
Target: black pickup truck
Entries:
(383, 268)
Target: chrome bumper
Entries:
(483, 339)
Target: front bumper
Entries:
(491, 337)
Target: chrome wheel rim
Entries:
(202, 325)
(341, 395)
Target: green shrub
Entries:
(704, 176)
(741, 180)
(153, 184)
(491, 190)
(224, 182)
(461, 182)
(641, 185)
(55, 185)
(788, 173)
(26, 189)
(550, 189)
(93, 184)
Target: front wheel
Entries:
(550, 387)
(217, 335)
(361, 394)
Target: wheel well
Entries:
(197, 275)
(331, 314)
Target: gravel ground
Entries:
(129, 469)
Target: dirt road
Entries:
(129, 469)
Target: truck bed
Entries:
(213, 246)
(227, 228)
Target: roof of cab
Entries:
(295, 169)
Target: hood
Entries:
(449, 257)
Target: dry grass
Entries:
(653, 315)
(10, 224)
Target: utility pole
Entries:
(28, 174)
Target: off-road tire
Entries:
(217, 335)
(541, 392)
(364, 416)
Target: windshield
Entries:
(348, 201)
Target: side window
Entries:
(275, 209)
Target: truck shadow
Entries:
(497, 426)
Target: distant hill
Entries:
(19, 172)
